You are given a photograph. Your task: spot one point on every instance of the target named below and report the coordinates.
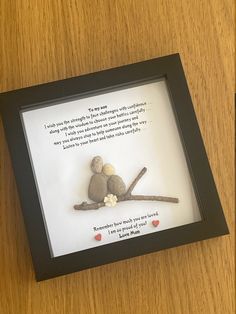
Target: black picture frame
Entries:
(213, 222)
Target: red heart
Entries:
(98, 237)
(155, 223)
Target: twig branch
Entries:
(129, 197)
(152, 198)
(86, 206)
(132, 185)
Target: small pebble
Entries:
(108, 170)
(96, 164)
(116, 185)
(97, 187)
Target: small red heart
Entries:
(155, 223)
(98, 237)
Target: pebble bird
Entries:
(104, 181)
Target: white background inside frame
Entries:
(131, 129)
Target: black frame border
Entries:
(170, 67)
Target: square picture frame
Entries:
(160, 81)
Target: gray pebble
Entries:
(96, 164)
(116, 185)
(97, 187)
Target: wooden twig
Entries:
(132, 185)
(129, 197)
(152, 198)
(86, 206)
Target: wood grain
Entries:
(42, 41)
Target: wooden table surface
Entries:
(42, 41)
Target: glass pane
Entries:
(130, 129)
